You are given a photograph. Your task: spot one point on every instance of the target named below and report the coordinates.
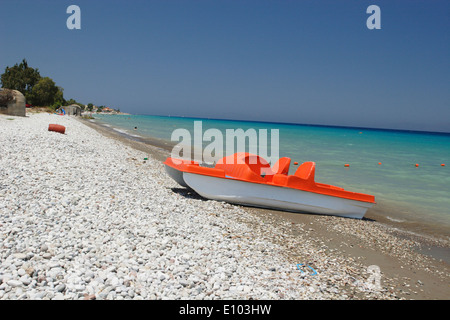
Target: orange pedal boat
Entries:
(249, 180)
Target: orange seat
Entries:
(245, 166)
(306, 171)
(303, 178)
(282, 166)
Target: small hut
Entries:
(12, 102)
(73, 110)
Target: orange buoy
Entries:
(346, 165)
(417, 164)
(296, 163)
(443, 165)
(379, 163)
(57, 128)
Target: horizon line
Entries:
(305, 124)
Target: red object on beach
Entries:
(57, 128)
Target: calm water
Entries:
(418, 197)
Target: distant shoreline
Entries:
(302, 124)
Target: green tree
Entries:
(58, 99)
(20, 77)
(45, 93)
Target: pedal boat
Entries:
(247, 179)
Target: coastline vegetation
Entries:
(39, 92)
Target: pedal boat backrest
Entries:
(245, 166)
(282, 166)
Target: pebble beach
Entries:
(83, 216)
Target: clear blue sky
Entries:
(311, 62)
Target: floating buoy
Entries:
(296, 163)
(346, 165)
(57, 128)
(443, 165)
(379, 163)
(417, 164)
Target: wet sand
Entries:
(413, 266)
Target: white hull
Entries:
(176, 175)
(273, 197)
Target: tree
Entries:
(58, 99)
(45, 92)
(20, 77)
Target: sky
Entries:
(311, 62)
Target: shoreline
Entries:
(377, 213)
(84, 216)
(401, 254)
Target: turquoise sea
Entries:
(417, 198)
